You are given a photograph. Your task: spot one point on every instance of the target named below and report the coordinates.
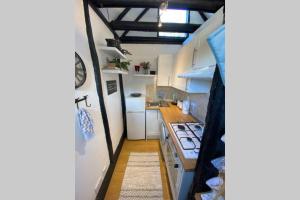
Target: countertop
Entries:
(174, 114)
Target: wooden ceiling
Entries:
(144, 27)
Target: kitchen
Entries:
(151, 88)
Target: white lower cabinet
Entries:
(179, 179)
(153, 122)
(135, 125)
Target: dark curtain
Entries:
(211, 145)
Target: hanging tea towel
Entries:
(85, 123)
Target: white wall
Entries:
(144, 52)
(91, 156)
(113, 109)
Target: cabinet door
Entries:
(165, 70)
(152, 124)
(135, 125)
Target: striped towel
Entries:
(85, 123)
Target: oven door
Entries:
(173, 164)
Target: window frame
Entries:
(171, 36)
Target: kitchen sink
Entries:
(158, 104)
(153, 103)
(164, 104)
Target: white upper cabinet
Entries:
(165, 70)
(183, 62)
(194, 62)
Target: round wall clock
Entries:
(80, 71)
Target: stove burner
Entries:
(181, 132)
(190, 142)
(189, 136)
(181, 127)
(197, 127)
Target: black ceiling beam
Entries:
(189, 20)
(153, 26)
(99, 13)
(137, 19)
(203, 16)
(122, 14)
(152, 40)
(203, 5)
(141, 14)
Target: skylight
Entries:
(173, 16)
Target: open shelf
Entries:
(145, 75)
(114, 71)
(113, 51)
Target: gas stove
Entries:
(189, 136)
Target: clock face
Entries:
(80, 71)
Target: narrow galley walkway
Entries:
(141, 146)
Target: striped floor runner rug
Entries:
(142, 179)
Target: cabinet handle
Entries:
(176, 165)
(193, 63)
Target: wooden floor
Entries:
(115, 184)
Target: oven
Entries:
(164, 134)
(174, 167)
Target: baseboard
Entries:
(153, 137)
(109, 173)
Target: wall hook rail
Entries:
(84, 98)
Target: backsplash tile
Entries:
(198, 106)
(199, 102)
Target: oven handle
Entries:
(166, 134)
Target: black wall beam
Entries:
(203, 16)
(97, 73)
(153, 26)
(122, 14)
(104, 186)
(152, 40)
(203, 5)
(137, 19)
(189, 20)
(158, 18)
(123, 104)
(102, 17)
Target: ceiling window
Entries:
(173, 16)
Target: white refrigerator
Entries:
(135, 114)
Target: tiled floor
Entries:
(114, 188)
